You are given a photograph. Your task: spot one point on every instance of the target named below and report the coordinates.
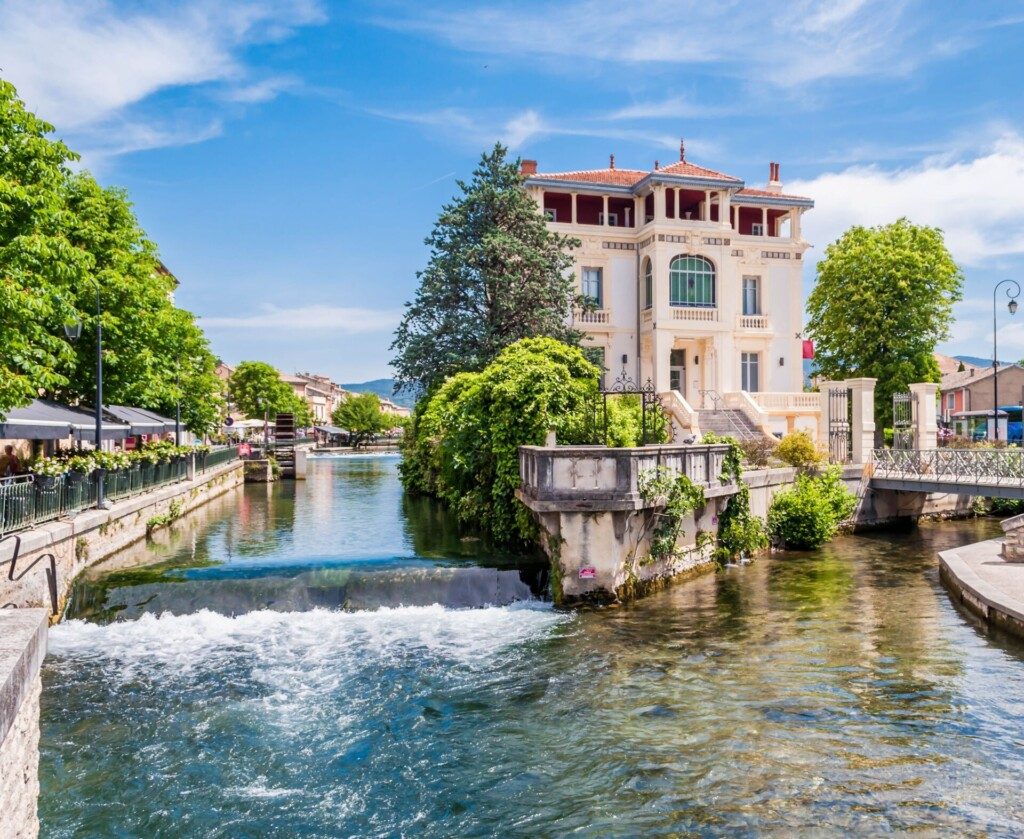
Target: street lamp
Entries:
(1012, 307)
(73, 331)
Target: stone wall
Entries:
(94, 534)
(22, 649)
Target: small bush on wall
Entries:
(799, 449)
(809, 514)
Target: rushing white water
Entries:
(180, 643)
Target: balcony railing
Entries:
(752, 322)
(785, 402)
(703, 314)
(594, 316)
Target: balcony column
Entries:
(705, 208)
(794, 224)
(764, 222)
(604, 199)
(659, 203)
(572, 210)
(724, 208)
(675, 194)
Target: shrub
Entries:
(463, 443)
(679, 496)
(758, 451)
(799, 450)
(808, 514)
(626, 422)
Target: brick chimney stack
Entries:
(611, 161)
(528, 167)
(774, 177)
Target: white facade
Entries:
(726, 307)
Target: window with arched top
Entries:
(648, 274)
(691, 281)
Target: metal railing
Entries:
(1003, 467)
(27, 500)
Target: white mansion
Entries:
(695, 281)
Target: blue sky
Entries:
(290, 157)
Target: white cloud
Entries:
(84, 64)
(978, 200)
(338, 319)
(788, 45)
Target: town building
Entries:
(967, 399)
(694, 282)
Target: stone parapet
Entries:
(22, 649)
(1013, 542)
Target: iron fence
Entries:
(27, 500)
(1003, 467)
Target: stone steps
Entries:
(729, 421)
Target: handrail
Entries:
(1001, 467)
(51, 572)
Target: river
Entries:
(301, 661)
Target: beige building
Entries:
(695, 282)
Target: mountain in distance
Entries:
(978, 361)
(384, 388)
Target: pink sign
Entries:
(588, 572)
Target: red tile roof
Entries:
(617, 177)
(629, 177)
(692, 170)
(767, 193)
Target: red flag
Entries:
(808, 349)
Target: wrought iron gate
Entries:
(903, 409)
(652, 414)
(840, 424)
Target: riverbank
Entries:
(978, 577)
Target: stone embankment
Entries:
(987, 577)
(22, 648)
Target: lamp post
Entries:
(177, 405)
(73, 331)
(1012, 307)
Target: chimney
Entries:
(774, 181)
(528, 167)
(611, 161)
(682, 151)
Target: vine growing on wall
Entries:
(681, 496)
(739, 531)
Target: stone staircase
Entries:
(728, 421)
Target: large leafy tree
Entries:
(63, 238)
(256, 388)
(883, 299)
(362, 417)
(496, 274)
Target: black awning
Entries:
(140, 420)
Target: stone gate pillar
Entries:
(862, 396)
(823, 414)
(924, 412)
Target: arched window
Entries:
(648, 284)
(691, 282)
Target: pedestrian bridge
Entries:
(995, 473)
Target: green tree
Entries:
(63, 237)
(496, 274)
(362, 417)
(883, 299)
(256, 388)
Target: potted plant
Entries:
(46, 471)
(79, 466)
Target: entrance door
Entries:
(677, 371)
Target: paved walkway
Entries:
(977, 576)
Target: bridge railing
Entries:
(990, 466)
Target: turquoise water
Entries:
(831, 692)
